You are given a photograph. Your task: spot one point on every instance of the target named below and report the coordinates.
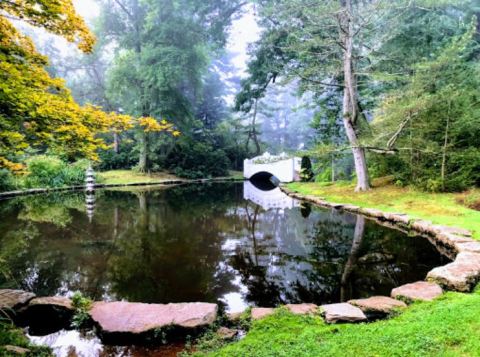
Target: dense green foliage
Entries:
(435, 121)
(50, 171)
(11, 336)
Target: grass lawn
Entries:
(448, 326)
(116, 177)
(440, 208)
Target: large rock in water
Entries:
(461, 275)
(14, 299)
(127, 319)
(46, 315)
(342, 312)
(421, 290)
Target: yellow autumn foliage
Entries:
(56, 16)
(37, 111)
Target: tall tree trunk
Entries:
(445, 146)
(116, 142)
(350, 98)
(143, 162)
(254, 129)
(333, 167)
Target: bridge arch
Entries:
(284, 168)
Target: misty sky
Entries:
(244, 31)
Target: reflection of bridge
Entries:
(268, 199)
(284, 168)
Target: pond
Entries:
(230, 243)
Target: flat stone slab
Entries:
(15, 350)
(468, 247)
(452, 230)
(342, 312)
(421, 290)
(137, 318)
(461, 275)
(378, 304)
(261, 312)
(14, 299)
(52, 301)
(302, 309)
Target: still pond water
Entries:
(229, 243)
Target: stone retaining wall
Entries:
(460, 275)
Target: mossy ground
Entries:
(449, 209)
(448, 326)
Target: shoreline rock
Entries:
(342, 312)
(378, 305)
(460, 275)
(128, 320)
(419, 291)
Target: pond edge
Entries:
(36, 191)
(457, 243)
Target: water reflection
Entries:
(79, 344)
(218, 242)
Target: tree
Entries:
(164, 48)
(433, 122)
(339, 44)
(38, 111)
(56, 16)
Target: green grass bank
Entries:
(450, 209)
(447, 326)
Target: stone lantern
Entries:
(89, 180)
(90, 193)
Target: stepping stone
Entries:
(378, 304)
(261, 312)
(421, 290)
(15, 350)
(302, 309)
(468, 247)
(55, 302)
(342, 312)
(46, 315)
(136, 318)
(453, 230)
(461, 275)
(14, 299)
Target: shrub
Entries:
(50, 171)
(306, 173)
(6, 180)
(81, 305)
(197, 160)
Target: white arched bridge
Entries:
(284, 168)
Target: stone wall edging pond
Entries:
(36, 191)
(461, 275)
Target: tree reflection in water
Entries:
(201, 243)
